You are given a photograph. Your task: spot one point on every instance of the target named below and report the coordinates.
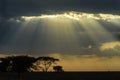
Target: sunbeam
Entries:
(71, 32)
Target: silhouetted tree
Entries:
(5, 63)
(43, 63)
(58, 69)
(16, 63)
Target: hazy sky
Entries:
(64, 27)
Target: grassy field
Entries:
(61, 76)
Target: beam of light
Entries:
(88, 20)
(58, 32)
(60, 35)
(22, 40)
(96, 31)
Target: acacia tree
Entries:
(26, 63)
(5, 63)
(16, 63)
(43, 64)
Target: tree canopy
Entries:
(43, 63)
(16, 63)
(26, 63)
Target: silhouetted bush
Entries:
(58, 69)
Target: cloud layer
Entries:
(36, 7)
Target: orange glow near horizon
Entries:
(85, 62)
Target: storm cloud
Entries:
(36, 7)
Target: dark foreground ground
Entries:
(61, 76)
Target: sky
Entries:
(36, 7)
(86, 30)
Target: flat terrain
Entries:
(61, 76)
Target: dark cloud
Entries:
(37, 7)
